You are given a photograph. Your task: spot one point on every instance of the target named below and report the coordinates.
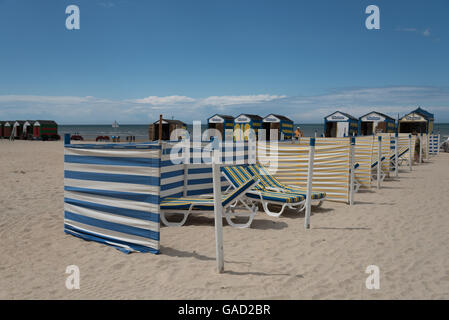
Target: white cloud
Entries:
(236, 100)
(155, 100)
(425, 33)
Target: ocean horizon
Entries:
(140, 131)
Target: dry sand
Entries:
(402, 228)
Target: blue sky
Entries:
(132, 60)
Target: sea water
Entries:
(90, 132)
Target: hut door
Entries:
(366, 128)
(219, 127)
(381, 127)
(342, 129)
(37, 132)
(331, 129)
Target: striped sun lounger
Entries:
(189, 205)
(374, 170)
(237, 175)
(269, 182)
(400, 158)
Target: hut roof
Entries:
(224, 116)
(343, 113)
(44, 122)
(170, 122)
(424, 113)
(379, 113)
(251, 116)
(280, 117)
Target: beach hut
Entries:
(243, 123)
(1, 128)
(281, 123)
(223, 123)
(340, 124)
(168, 126)
(417, 121)
(18, 128)
(28, 129)
(7, 129)
(45, 129)
(376, 122)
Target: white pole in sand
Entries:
(309, 183)
(438, 144)
(396, 161)
(351, 171)
(420, 148)
(218, 210)
(427, 146)
(410, 152)
(379, 160)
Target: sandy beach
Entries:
(402, 228)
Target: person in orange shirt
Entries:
(297, 133)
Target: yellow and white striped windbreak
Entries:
(289, 163)
(404, 144)
(387, 139)
(363, 157)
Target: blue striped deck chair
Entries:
(271, 183)
(237, 175)
(190, 205)
(374, 170)
(356, 182)
(401, 159)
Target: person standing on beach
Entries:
(297, 133)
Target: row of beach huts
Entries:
(29, 130)
(337, 124)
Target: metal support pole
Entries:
(309, 183)
(420, 148)
(218, 210)
(396, 154)
(67, 138)
(379, 160)
(410, 153)
(351, 171)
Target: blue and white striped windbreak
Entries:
(112, 194)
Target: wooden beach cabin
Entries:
(7, 129)
(340, 124)
(282, 124)
(243, 123)
(417, 121)
(45, 129)
(18, 129)
(223, 123)
(168, 126)
(376, 122)
(27, 129)
(2, 123)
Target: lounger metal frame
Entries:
(228, 212)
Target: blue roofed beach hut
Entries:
(376, 122)
(243, 125)
(417, 121)
(340, 124)
(278, 122)
(222, 123)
